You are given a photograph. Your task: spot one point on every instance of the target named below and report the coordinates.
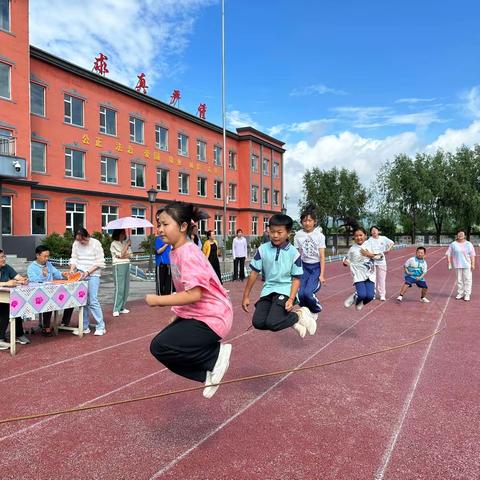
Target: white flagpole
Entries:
(224, 142)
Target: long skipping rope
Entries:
(226, 382)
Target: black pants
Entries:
(5, 319)
(270, 313)
(215, 263)
(239, 262)
(163, 280)
(187, 347)
(47, 317)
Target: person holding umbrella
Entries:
(121, 254)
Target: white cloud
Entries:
(472, 101)
(318, 89)
(311, 126)
(142, 36)
(415, 100)
(237, 119)
(451, 139)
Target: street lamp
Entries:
(152, 197)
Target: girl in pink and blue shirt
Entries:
(191, 345)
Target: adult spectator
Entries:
(239, 252)
(121, 252)
(212, 251)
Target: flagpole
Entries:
(224, 143)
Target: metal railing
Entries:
(8, 146)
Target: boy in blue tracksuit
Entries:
(415, 269)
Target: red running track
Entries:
(413, 413)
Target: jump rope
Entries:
(234, 380)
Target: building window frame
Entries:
(265, 195)
(6, 25)
(183, 183)
(77, 210)
(232, 224)
(201, 150)
(70, 159)
(74, 110)
(218, 224)
(266, 167)
(217, 189)
(182, 144)
(276, 197)
(139, 212)
(232, 192)
(217, 155)
(201, 186)
(163, 172)
(254, 163)
(254, 194)
(39, 88)
(105, 167)
(38, 210)
(109, 213)
(254, 225)
(232, 160)
(137, 175)
(7, 92)
(106, 114)
(137, 130)
(276, 169)
(161, 138)
(33, 156)
(6, 205)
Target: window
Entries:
(73, 110)
(109, 213)
(183, 183)
(137, 175)
(5, 80)
(202, 226)
(138, 213)
(136, 130)
(6, 215)
(254, 225)
(232, 192)
(108, 121)
(108, 169)
(74, 163)
(5, 15)
(265, 196)
(201, 187)
(276, 194)
(38, 157)
(161, 138)
(254, 163)
(232, 160)
(276, 169)
(182, 144)
(217, 189)
(266, 167)
(7, 142)
(162, 180)
(201, 151)
(232, 224)
(218, 224)
(254, 197)
(37, 99)
(217, 155)
(39, 217)
(75, 217)
(265, 223)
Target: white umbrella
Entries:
(127, 222)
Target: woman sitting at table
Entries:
(9, 278)
(39, 271)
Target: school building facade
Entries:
(79, 149)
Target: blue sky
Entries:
(342, 83)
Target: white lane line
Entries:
(408, 400)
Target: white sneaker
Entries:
(116, 314)
(466, 298)
(85, 331)
(300, 329)
(425, 300)
(219, 370)
(125, 310)
(308, 320)
(350, 300)
(459, 296)
(99, 332)
(359, 306)
(382, 298)
(400, 298)
(4, 345)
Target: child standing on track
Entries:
(311, 244)
(190, 345)
(280, 262)
(362, 266)
(415, 269)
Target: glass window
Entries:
(162, 180)
(266, 166)
(138, 213)
(7, 142)
(232, 224)
(254, 197)
(161, 138)
(265, 223)
(201, 151)
(108, 121)
(38, 157)
(74, 163)
(37, 99)
(5, 15)
(39, 217)
(276, 169)
(183, 183)
(232, 160)
(6, 215)
(137, 175)
(202, 226)
(254, 163)
(276, 194)
(232, 192)
(254, 225)
(108, 169)
(73, 110)
(75, 216)
(217, 155)
(218, 224)
(136, 130)
(182, 144)
(5, 80)
(217, 189)
(266, 192)
(109, 213)
(202, 187)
